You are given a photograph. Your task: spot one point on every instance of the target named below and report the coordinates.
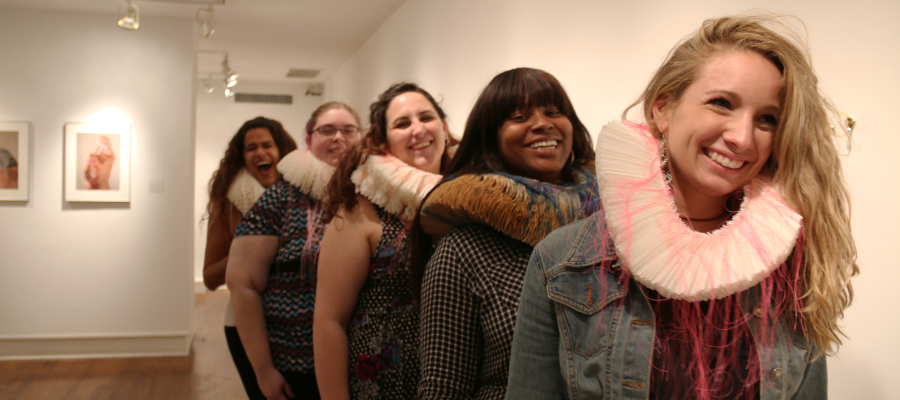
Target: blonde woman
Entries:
(720, 262)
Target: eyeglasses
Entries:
(328, 131)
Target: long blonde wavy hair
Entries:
(804, 157)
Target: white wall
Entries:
(218, 118)
(95, 278)
(604, 52)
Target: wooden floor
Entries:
(207, 373)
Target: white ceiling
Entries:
(264, 38)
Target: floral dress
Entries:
(383, 334)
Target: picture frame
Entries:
(97, 162)
(15, 165)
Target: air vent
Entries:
(303, 73)
(263, 98)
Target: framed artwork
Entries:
(98, 162)
(14, 165)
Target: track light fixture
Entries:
(206, 17)
(131, 18)
(208, 85)
(230, 76)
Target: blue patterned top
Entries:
(289, 299)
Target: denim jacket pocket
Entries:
(582, 295)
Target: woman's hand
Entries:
(344, 255)
(273, 385)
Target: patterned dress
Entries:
(289, 298)
(383, 334)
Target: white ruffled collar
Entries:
(309, 174)
(393, 185)
(244, 191)
(663, 253)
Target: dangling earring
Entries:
(664, 159)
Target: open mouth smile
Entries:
(264, 166)
(724, 161)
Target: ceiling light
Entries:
(229, 92)
(132, 18)
(230, 76)
(208, 85)
(206, 17)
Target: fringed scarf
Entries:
(393, 185)
(306, 172)
(244, 191)
(525, 209)
(701, 282)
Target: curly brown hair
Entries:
(341, 191)
(233, 161)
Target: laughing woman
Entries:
(366, 322)
(721, 260)
(272, 266)
(518, 175)
(247, 169)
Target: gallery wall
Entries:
(98, 278)
(604, 52)
(218, 118)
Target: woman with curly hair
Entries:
(720, 261)
(247, 169)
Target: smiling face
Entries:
(415, 132)
(536, 143)
(330, 150)
(720, 132)
(261, 155)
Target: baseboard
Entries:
(199, 287)
(95, 346)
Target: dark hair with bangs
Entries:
(479, 150)
(519, 88)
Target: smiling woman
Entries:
(519, 173)
(719, 263)
(366, 323)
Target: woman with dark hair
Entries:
(272, 270)
(366, 322)
(519, 173)
(720, 263)
(247, 169)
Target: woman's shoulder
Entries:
(476, 245)
(582, 242)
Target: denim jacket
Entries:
(576, 338)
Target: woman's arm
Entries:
(450, 341)
(344, 257)
(218, 242)
(247, 277)
(534, 370)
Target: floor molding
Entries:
(95, 346)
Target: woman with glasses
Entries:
(272, 266)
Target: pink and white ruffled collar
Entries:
(663, 253)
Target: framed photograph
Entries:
(98, 162)
(14, 164)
